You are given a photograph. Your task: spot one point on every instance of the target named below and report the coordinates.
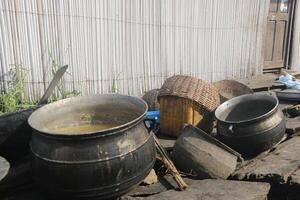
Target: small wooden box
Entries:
(177, 111)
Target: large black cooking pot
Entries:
(250, 123)
(96, 164)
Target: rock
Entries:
(294, 178)
(293, 125)
(151, 178)
(275, 167)
(166, 141)
(212, 189)
(164, 183)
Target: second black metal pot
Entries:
(250, 124)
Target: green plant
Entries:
(11, 98)
(114, 87)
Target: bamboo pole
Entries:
(169, 164)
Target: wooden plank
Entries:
(269, 45)
(260, 82)
(279, 45)
(273, 6)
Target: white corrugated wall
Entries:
(137, 43)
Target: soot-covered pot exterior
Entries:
(101, 165)
(254, 136)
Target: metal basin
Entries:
(4, 168)
(288, 95)
(250, 123)
(91, 164)
(202, 155)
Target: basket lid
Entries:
(231, 88)
(201, 92)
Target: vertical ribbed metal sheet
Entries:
(138, 43)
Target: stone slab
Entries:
(293, 125)
(209, 189)
(212, 189)
(162, 185)
(166, 141)
(274, 167)
(294, 178)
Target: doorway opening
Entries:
(278, 35)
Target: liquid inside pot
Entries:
(88, 115)
(82, 128)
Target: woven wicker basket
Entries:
(231, 88)
(185, 99)
(151, 99)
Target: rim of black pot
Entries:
(235, 99)
(113, 130)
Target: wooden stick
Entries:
(169, 164)
(297, 106)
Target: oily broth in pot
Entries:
(82, 128)
(89, 121)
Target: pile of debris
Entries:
(226, 140)
(247, 126)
